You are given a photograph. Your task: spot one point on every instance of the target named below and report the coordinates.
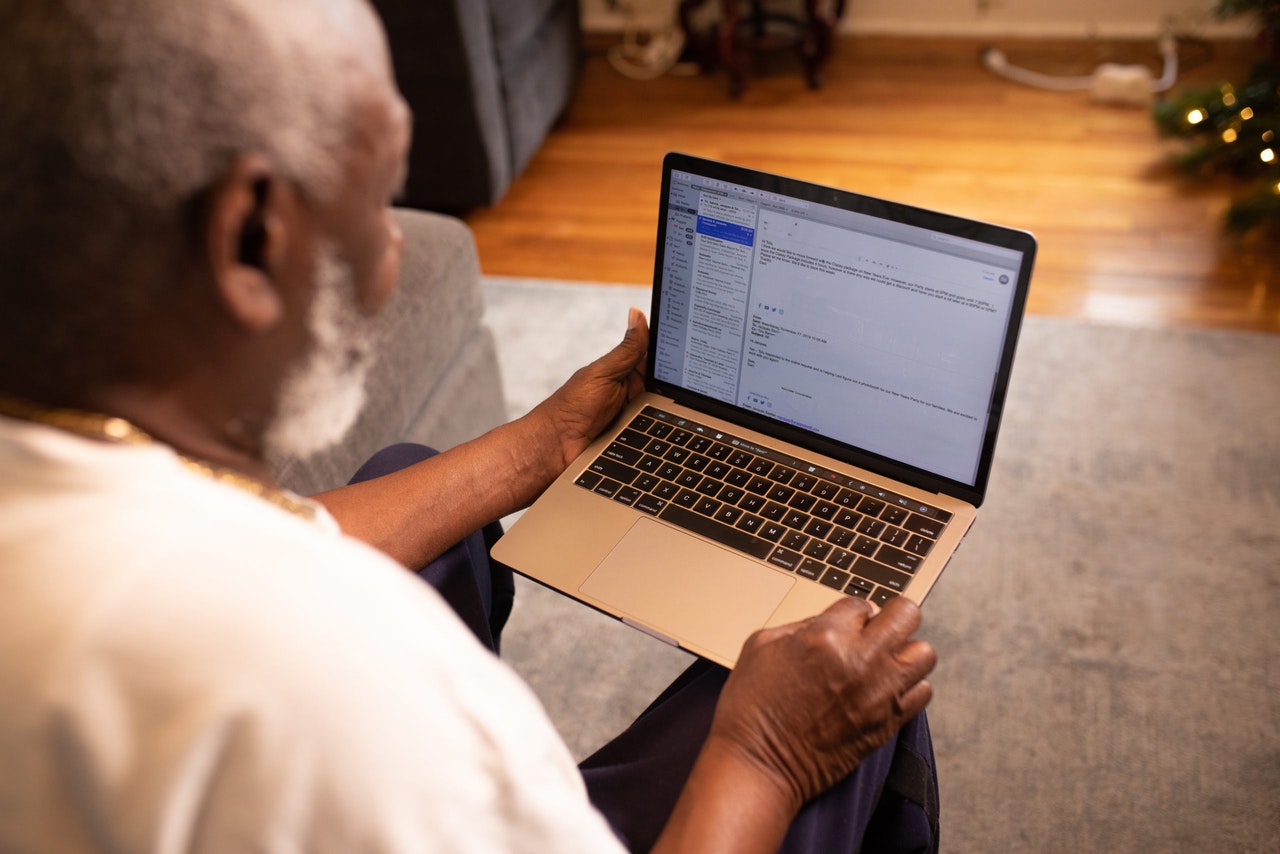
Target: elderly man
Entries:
(194, 243)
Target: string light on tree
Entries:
(1230, 129)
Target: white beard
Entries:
(322, 396)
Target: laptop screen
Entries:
(877, 326)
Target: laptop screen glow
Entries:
(871, 332)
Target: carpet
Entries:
(1108, 632)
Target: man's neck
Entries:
(208, 433)
(133, 414)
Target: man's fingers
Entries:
(898, 620)
(918, 658)
(912, 701)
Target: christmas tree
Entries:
(1234, 129)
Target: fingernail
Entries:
(633, 318)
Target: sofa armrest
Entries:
(436, 378)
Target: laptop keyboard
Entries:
(835, 530)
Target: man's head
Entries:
(179, 178)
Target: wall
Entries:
(1049, 18)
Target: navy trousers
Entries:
(889, 803)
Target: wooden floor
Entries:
(1121, 238)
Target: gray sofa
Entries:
(436, 380)
(486, 80)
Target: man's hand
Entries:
(806, 703)
(415, 514)
(809, 701)
(580, 409)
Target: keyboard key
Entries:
(871, 527)
(699, 444)
(895, 536)
(841, 537)
(606, 487)
(811, 569)
(677, 455)
(689, 479)
(898, 559)
(825, 489)
(728, 514)
(818, 550)
(924, 526)
(919, 545)
(707, 506)
(840, 559)
(627, 495)
(895, 515)
(773, 512)
(709, 487)
(846, 498)
(824, 509)
(883, 597)
(859, 587)
(650, 504)
(588, 480)
(686, 498)
(785, 558)
(864, 546)
(795, 519)
(847, 518)
(731, 495)
(741, 459)
(623, 453)
(720, 451)
(818, 528)
(616, 470)
(782, 474)
(641, 423)
(794, 540)
(679, 437)
(772, 531)
(697, 462)
(669, 471)
(870, 506)
(646, 482)
(631, 438)
(749, 523)
(802, 501)
(836, 578)
(660, 430)
(657, 447)
(881, 574)
(804, 482)
(781, 494)
(718, 470)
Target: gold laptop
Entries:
(826, 374)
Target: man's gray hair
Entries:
(116, 118)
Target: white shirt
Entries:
(184, 667)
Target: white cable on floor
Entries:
(1109, 82)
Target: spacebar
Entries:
(711, 529)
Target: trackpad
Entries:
(683, 587)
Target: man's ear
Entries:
(247, 234)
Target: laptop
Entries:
(826, 375)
